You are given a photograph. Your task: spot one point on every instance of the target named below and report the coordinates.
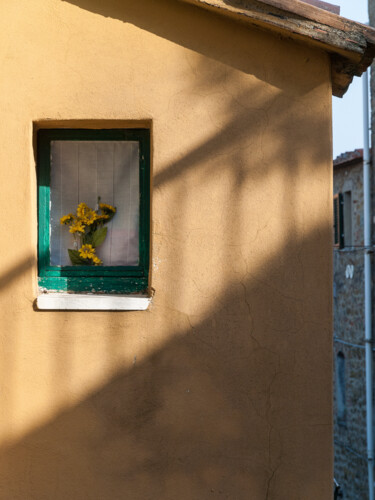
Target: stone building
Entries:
(350, 442)
(349, 351)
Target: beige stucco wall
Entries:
(222, 389)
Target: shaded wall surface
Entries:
(222, 389)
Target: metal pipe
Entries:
(367, 275)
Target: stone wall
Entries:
(350, 439)
(371, 11)
(350, 434)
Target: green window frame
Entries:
(100, 279)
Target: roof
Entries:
(351, 45)
(348, 158)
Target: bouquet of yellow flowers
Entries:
(87, 227)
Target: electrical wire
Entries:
(354, 452)
(336, 339)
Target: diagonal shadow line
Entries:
(16, 271)
(217, 145)
(194, 405)
(154, 17)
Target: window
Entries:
(340, 389)
(91, 166)
(338, 221)
(348, 237)
(342, 219)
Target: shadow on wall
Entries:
(250, 111)
(16, 271)
(192, 421)
(176, 21)
(175, 416)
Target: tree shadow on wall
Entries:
(177, 21)
(205, 416)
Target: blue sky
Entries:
(347, 111)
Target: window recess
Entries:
(347, 214)
(338, 221)
(90, 166)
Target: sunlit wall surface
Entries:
(222, 389)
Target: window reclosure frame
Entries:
(106, 279)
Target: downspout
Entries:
(367, 276)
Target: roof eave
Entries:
(348, 163)
(351, 45)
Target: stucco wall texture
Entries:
(222, 389)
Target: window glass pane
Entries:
(80, 172)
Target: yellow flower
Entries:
(67, 219)
(82, 209)
(102, 217)
(107, 208)
(77, 227)
(87, 251)
(96, 260)
(90, 217)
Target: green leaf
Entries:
(99, 236)
(87, 239)
(76, 259)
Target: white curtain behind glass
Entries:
(80, 172)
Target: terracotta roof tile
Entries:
(348, 157)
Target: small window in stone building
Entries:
(348, 236)
(338, 222)
(340, 389)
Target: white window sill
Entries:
(85, 302)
